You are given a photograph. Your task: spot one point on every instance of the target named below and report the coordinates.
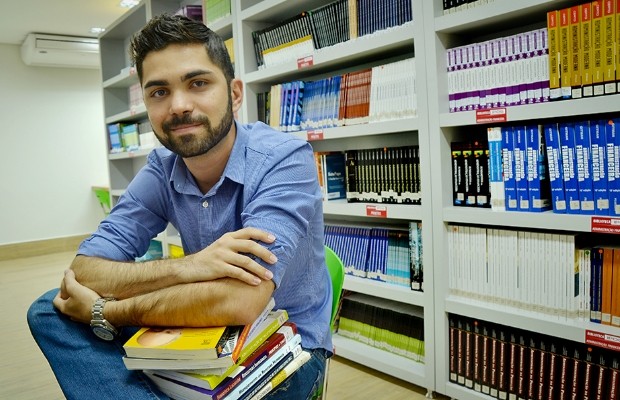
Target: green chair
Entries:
(335, 267)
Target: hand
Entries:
(75, 300)
(232, 255)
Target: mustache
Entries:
(185, 119)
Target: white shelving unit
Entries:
(497, 18)
(376, 49)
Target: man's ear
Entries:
(236, 93)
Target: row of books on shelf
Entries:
(507, 71)
(511, 363)
(583, 59)
(128, 137)
(570, 167)
(550, 274)
(452, 6)
(386, 175)
(384, 324)
(333, 23)
(216, 10)
(236, 362)
(381, 93)
(381, 254)
(192, 11)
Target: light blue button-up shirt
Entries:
(270, 183)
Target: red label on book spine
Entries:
(376, 211)
(605, 225)
(315, 135)
(305, 62)
(491, 115)
(604, 340)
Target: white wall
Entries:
(52, 150)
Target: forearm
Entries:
(123, 280)
(215, 303)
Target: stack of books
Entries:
(214, 363)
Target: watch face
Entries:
(103, 333)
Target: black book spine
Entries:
(513, 367)
(452, 343)
(477, 363)
(502, 376)
(486, 359)
(460, 357)
(543, 371)
(495, 350)
(469, 354)
(524, 367)
(534, 354)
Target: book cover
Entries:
(554, 370)
(468, 331)
(596, 273)
(176, 343)
(477, 356)
(598, 150)
(539, 189)
(335, 174)
(614, 379)
(534, 367)
(523, 369)
(565, 53)
(577, 383)
(458, 172)
(496, 173)
(503, 374)
(287, 371)
(569, 167)
(575, 51)
(586, 49)
(469, 174)
(613, 165)
(609, 46)
(513, 367)
(129, 137)
(566, 371)
(114, 135)
(597, 48)
(510, 186)
(584, 167)
(521, 168)
(554, 54)
(486, 359)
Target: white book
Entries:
(289, 370)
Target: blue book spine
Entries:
(569, 167)
(554, 163)
(496, 173)
(510, 185)
(584, 167)
(335, 172)
(613, 161)
(521, 167)
(114, 132)
(598, 150)
(537, 177)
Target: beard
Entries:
(192, 145)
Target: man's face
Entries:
(188, 100)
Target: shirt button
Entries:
(205, 204)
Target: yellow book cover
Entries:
(609, 46)
(586, 48)
(575, 49)
(565, 52)
(554, 58)
(175, 343)
(597, 47)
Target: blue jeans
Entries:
(89, 368)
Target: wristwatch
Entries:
(100, 326)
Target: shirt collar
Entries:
(183, 182)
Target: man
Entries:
(246, 202)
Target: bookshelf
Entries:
(366, 51)
(483, 22)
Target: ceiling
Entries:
(59, 17)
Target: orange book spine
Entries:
(607, 285)
(615, 291)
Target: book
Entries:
(508, 162)
(613, 165)
(586, 49)
(607, 285)
(598, 150)
(609, 46)
(114, 134)
(554, 163)
(521, 167)
(539, 190)
(250, 330)
(584, 167)
(554, 54)
(283, 336)
(597, 48)
(177, 343)
(496, 173)
(565, 53)
(575, 51)
(569, 167)
(615, 290)
(287, 371)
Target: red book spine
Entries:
(524, 368)
(614, 380)
(486, 361)
(513, 367)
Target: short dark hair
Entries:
(166, 29)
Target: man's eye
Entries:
(158, 93)
(199, 83)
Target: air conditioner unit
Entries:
(60, 51)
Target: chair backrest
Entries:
(335, 267)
